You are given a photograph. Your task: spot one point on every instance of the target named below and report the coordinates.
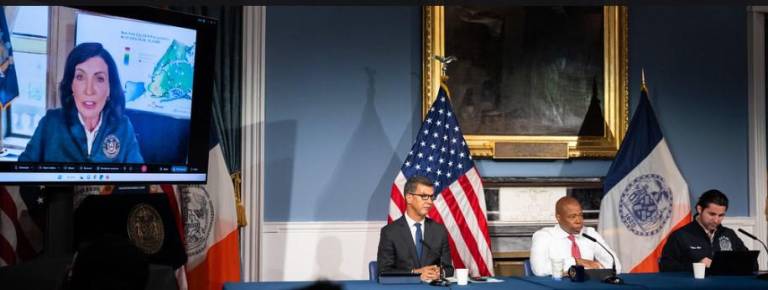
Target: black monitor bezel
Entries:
(201, 113)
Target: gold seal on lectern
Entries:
(145, 228)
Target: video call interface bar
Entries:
(99, 173)
(82, 177)
(99, 168)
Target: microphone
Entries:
(613, 279)
(754, 238)
(763, 276)
(441, 281)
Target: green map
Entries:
(172, 75)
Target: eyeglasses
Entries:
(425, 196)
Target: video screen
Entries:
(156, 61)
(104, 95)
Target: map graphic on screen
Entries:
(155, 61)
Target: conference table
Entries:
(631, 281)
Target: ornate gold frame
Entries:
(544, 147)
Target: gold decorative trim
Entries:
(615, 87)
(237, 182)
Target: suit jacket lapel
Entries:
(430, 238)
(408, 240)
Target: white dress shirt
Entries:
(411, 226)
(553, 242)
(90, 136)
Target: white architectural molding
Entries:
(316, 227)
(757, 123)
(252, 144)
(748, 224)
(305, 251)
(742, 222)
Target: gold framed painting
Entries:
(542, 82)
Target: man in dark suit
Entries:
(414, 243)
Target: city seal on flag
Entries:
(646, 205)
(197, 209)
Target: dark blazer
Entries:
(397, 251)
(60, 137)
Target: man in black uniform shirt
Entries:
(699, 240)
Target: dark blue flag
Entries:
(9, 86)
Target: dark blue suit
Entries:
(397, 251)
(60, 137)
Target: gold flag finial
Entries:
(643, 85)
(444, 61)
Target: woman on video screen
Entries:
(90, 126)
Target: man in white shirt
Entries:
(566, 241)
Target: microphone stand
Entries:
(441, 281)
(613, 279)
(763, 276)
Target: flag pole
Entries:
(3, 150)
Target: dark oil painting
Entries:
(531, 71)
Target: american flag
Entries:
(441, 154)
(21, 237)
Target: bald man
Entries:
(565, 241)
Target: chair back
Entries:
(527, 271)
(373, 271)
(162, 139)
